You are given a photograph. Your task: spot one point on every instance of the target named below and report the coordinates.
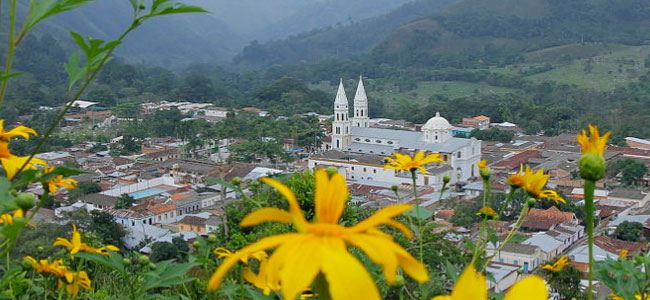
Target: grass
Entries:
(603, 70)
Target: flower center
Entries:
(325, 229)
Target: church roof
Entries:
(437, 123)
(360, 96)
(404, 138)
(341, 98)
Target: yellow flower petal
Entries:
(267, 214)
(380, 217)
(346, 276)
(470, 285)
(298, 272)
(331, 195)
(529, 288)
(294, 207)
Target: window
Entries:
(357, 139)
(374, 171)
(367, 140)
(378, 141)
(364, 170)
(353, 168)
(516, 262)
(390, 142)
(459, 153)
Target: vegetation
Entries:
(629, 231)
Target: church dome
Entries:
(436, 123)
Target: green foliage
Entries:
(625, 277)
(125, 201)
(631, 170)
(84, 188)
(565, 282)
(163, 251)
(493, 134)
(629, 231)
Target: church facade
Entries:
(359, 151)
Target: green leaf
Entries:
(6, 198)
(75, 73)
(167, 274)
(5, 77)
(40, 10)
(168, 7)
(113, 261)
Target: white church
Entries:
(359, 151)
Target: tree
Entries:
(83, 189)
(125, 201)
(106, 228)
(182, 247)
(163, 251)
(634, 172)
(629, 231)
(566, 283)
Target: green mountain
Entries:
(338, 41)
(465, 33)
(475, 32)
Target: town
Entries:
(164, 188)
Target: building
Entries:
(479, 122)
(632, 197)
(544, 220)
(637, 143)
(353, 136)
(528, 257)
(505, 276)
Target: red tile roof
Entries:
(517, 160)
(615, 246)
(160, 208)
(445, 214)
(545, 219)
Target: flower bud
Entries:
(40, 249)
(236, 181)
(399, 281)
(212, 238)
(26, 264)
(592, 166)
(143, 260)
(446, 179)
(126, 261)
(531, 202)
(331, 171)
(25, 201)
(152, 265)
(394, 188)
(196, 244)
(485, 173)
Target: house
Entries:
(604, 247)
(163, 155)
(528, 257)
(444, 214)
(163, 213)
(193, 224)
(643, 219)
(549, 246)
(567, 234)
(212, 223)
(544, 220)
(504, 275)
(513, 163)
(100, 201)
(130, 218)
(633, 197)
(637, 143)
(480, 122)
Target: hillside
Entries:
(479, 32)
(464, 33)
(339, 41)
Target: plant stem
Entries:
(590, 186)
(518, 224)
(508, 199)
(11, 49)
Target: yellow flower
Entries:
(403, 162)
(592, 164)
(11, 163)
(558, 265)
(623, 254)
(486, 212)
(534, 183)
(17, 131)
(471, 286)
(73, 281)
(222, 252)
(517, 180)
(58, 181)
(44, 266)
(320, 247)
(483, 169)
(615, 297)
(75, 245)
(595, 143)
(8, 219)
(259, 280)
